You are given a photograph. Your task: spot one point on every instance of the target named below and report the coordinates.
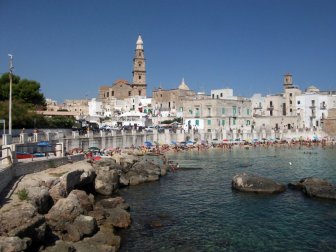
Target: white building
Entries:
(224, 93)
(95, 108)
(313, 106)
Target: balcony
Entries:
(312, 106)
(270, 108)
(323, 107)
(313, 116)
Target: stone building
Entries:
(122, 89)
(290, 93)
(329, 124)
(78, 107)
(171, 100)
(217, 114)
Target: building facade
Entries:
(171, 101)
(122, 89)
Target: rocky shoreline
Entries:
(57, 209)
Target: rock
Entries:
(61, 246)
(65, 211)
(14, 244)
(137, 179)
(38, 194)
(57, 192)
(253, 183)
(107, 181)
(105, 240)
(71, 180)
(124, 180)
(86, 225)
(118, 217)
(110, 202)
(315, 187)
(146, 167)
(22, 220)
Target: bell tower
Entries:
(288, 81)
(139, 70)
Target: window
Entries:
(209, 111)
(248, 111)
(234, 110)
(190, 111)
(290, 102)
(234, 121)
(299, 102)
(209, 122)
(139, 64)
(160, 95)
(139, 77)
(248, 122)
(107, 94)
(129, 93)
(290, 110)
(213, 96)
(197, 112)
(223, 111)
(221, 94)
(223, 122)
(181, 109)
(139, 92)
(112, 93)
(290, 94)
(197, 122)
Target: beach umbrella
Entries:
(93, 148)
(148, 144)
(43, 144)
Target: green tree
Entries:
(25, 90)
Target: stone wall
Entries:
(6, 175)
(20, 169)
(329, 124)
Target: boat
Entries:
(23, 155)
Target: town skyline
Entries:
(247, 45)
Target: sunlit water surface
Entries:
(196, 210)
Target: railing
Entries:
(323, 107)
(7, 155)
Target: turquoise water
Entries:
(196, 210)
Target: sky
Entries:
(72, 47)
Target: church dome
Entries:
(183, 86)
(312, 89)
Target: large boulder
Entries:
(14, 244)
(315, 187)
(252, 183)
(77, 178)
(118, 217)
(38, 195)
(141, 172)
(22, 219)
(63, 214)
(103, 241)
(107, 181)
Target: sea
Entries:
(195, 208)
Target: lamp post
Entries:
(10, 93)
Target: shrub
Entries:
(23, 194)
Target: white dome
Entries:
(312, 89)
